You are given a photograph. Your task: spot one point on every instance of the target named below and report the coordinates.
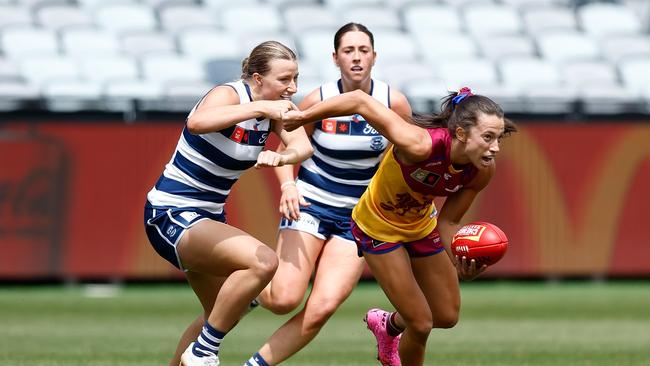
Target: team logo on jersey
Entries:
(377, 143)
(447, 176)
(425, 177)
(356, 118)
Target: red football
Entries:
(482, 241)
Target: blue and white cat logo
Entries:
(377, 143)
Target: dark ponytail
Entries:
(461, 109)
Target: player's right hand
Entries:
(275, 109)
(292, 119)
(290, 202)
(468, 269)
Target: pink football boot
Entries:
(387, 346)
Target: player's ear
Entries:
(460, 134)
(335, 58)
(257, 78)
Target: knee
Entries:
(266, 263)
(283, 303)
(446, 319)
(318, 313)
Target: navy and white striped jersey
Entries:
(346, 153)
(204, 167)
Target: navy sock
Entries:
(256, 360)
(208, 342)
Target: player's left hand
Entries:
(269, 158)
(291, 120)
(467, 269)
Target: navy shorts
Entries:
(322, 221)
(427, 246)
(166, 225)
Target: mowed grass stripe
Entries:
(502, 323)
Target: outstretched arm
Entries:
(220, 109)
(413, 142)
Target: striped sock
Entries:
(256, 360)
(208, 342)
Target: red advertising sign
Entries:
(573, 200)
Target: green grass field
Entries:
(502, 323)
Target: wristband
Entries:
(286, 184)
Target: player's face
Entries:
(281, 82)
(355, 56)
(482, 141)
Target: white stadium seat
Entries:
(302, 18)
(174, 19)
(62, 16)
(602, 19)
(204, 44)
(256, 19)
(88, 42)
(25, 42)
(119, 18)
(424, 18)
(554, 18)
(492, 19)
(566, 46)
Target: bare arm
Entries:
(297, 145)
(285, 172)
(413, 142)
(221, 109)
(451, 214)
(291, 200)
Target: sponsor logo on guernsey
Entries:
(263, 138)
(369, 130)
(329, 125)
(171, 231)
(237, 134)
(425, 177)
(356, 118)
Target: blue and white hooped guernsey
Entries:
(204, 167)
(346, 153)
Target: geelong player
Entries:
(184, 218)
(315, 234)
(396, 225)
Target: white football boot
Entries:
(189, 359)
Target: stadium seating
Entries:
(537, 56)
